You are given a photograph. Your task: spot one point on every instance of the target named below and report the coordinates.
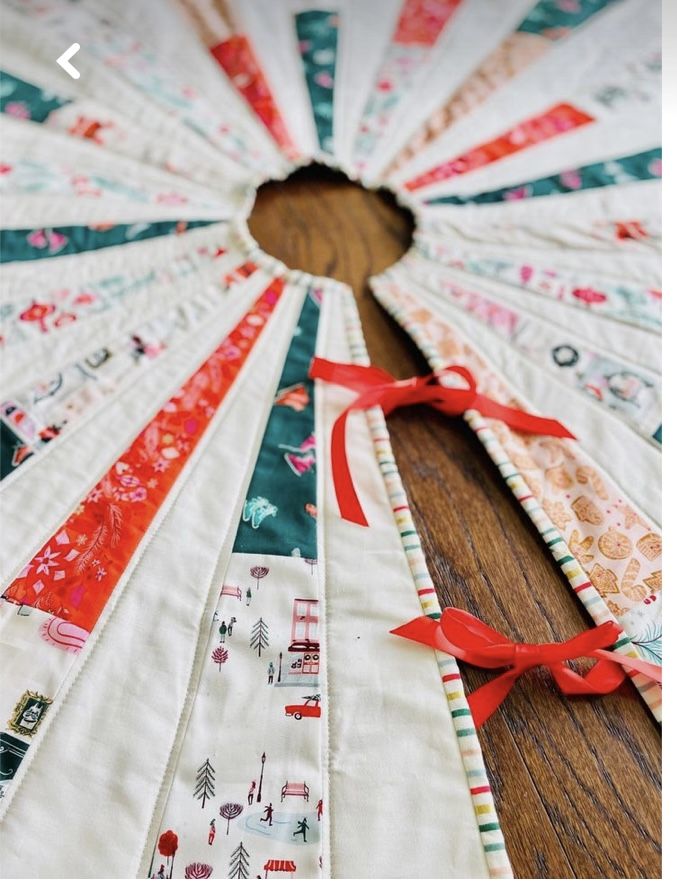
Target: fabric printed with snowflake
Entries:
(279, 512)
(317, 32)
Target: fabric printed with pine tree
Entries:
(240, 809)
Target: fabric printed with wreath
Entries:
(317, 33)
(621, 170)
(419, 26)
(615, 546)
(34, 243)
(74, 573)
(279, 513)
(241, 806)
(638, 305)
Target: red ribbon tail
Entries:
(346, 496)
(519, 420)
(423, 629)
(484, 701)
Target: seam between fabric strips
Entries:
(201, 644)
(136, 375)
(77, 668)
(320, 411)
(489, 828)
(568, 563)
(193, 364)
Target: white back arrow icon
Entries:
(64, 61)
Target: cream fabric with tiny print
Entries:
(162, 607)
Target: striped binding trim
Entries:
(570, 566)
(491, 836)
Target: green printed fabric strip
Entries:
(317, 32)
(635, 167)
(554, 19)
(279, 513)
(23, 100)
(30, 244)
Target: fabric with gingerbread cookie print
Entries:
(608, 549)
(189, 626)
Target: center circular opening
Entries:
(319, 221)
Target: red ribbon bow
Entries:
(464, 636)
(375, 387)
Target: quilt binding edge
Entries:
(576, 576)
(489, 828)
(491, 835)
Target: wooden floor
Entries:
(577, 782)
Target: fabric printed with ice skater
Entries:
(642, 166)
(32, 243)
(317, 33)
(226, 629)
(239, 800)
(302, 828)
(275, 517)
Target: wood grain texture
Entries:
(577, 782)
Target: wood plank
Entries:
(577, 782)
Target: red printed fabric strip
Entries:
(236, 57)
(75, 572)
(421, 21)
(555, 121)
